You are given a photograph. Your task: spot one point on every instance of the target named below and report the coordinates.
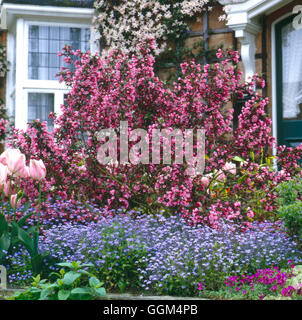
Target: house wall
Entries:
(215, 33)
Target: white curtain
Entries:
(292, 71)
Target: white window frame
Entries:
(26, 85)
(58, 98)
(16, 19)
(44, 83)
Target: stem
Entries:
(36, 233)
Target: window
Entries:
(289, 82)
(35, 34)
(44, 44)
(40, 105)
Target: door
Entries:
(289, 83)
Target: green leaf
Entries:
(81, 294)
(86, 265)
(93, 282)
(4, 242)
(101, 292)
(65, 264)
(3, 224)
(80, 291)
(22, 221)
(239, 159)
(37, 263)
(70, 277)
(44, 294)
(63, 294)
(25, 239)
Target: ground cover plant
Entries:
(160, 255)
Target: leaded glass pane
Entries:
(44, 44)
(39, 107)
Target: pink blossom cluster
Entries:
(239, 180)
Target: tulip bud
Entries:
(8, 188)
(13, 200)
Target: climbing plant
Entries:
(123, 24)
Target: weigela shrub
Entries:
(239, 180)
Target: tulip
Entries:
(37, 169)
(8, 188)
(13, 200)
(13, 159)
(23, 173)
(3, 173)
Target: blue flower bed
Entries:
(160, 255)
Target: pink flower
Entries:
(13, 159)
(205, 181)
(8, 188)
(200, 286)
(13, 200)
(221, 176)
(23, 173)
(250, 213)
(37, 169)
(229, 167)
(3, 173)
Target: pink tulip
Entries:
(3, 173)
(13, 200)
(8, 188)
(37, 169)
(13, 159)
(23, 173)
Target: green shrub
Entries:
(290, 207)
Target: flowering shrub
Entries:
(239, 180)
(161, 255)
(124, 24)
